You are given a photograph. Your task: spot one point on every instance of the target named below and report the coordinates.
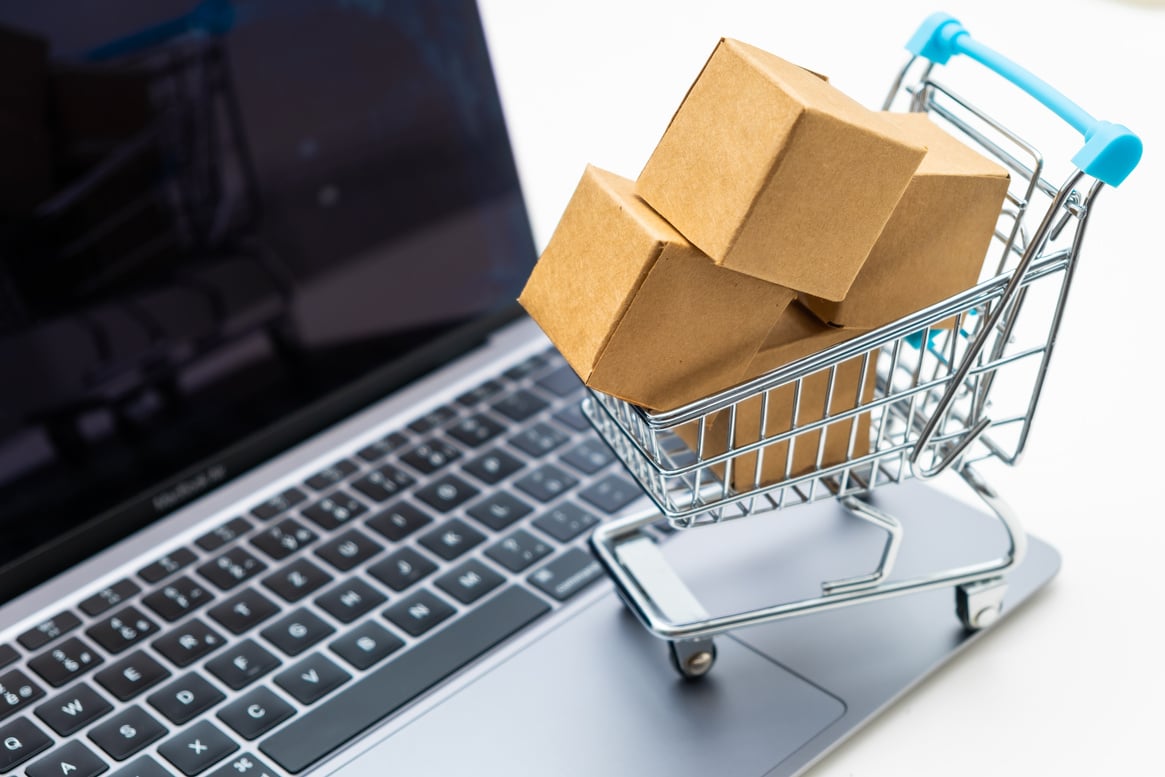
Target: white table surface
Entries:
(1075, 683)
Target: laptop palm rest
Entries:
(597, 695)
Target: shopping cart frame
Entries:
(929, 410)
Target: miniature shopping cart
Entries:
(942, 389)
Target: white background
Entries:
(1075, 683)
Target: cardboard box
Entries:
(636, 310)
(798, 334)
(773, 172)
(934, 244)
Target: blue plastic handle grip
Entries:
(1110, 151)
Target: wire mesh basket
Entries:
(942, 389)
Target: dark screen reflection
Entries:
(212, 215)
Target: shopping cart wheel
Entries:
(692, 658)
(980, 604)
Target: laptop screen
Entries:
(216, 214)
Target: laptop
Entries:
(288, 483)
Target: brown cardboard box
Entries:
(798, 334)
(636, 310)
(772, 171)
(934, 244)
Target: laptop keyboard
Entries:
(285, 632)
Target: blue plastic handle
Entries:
(1110, 151)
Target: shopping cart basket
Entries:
(942, 389)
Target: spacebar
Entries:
(386, 690)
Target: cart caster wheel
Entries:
(980, 604)
(692, 658)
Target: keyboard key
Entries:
(178, 598)
(367, 644)
(566, 521)
(334, 511)
(452, 538)
(349, 550)
(539, 439)
(127, 733)
(312, 679)
(197, 748)
(520, 405)
(185, 699)
(297, 580)
(17, 692)
(73, 710)
(418, 612)
(402, 569)
(241, 765)
(244, 610)
(219, 536)
(19, 741)
(446, 493)
(350, 599)
(399, 521)
(332, 476)
(167, 565)
(527, 367)
(242, 664)
(131, 675)
(546, 483)
(469, 581)
(46, 631)
(612, 493)
(278, 504)
(122, 630)
(296, 632)
(188, 643)
(476, 430)
(382, 447)
(430, 456)
(143, 767)
(433, 419)
(232, 568)
(568, 574)
(518, 550)
(499, 510)
(589, 456)
(480, 393)
(8, 655)
(381, 693)
(561, 382)
(383, 483)
(66, 661)
(284, 538)
(572, 417)
(255, 713)
(72, 759)
(108, 598)
(493, 467)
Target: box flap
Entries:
(946, 154)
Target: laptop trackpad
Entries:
(598, 696)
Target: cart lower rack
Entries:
(942, 389)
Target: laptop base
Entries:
(597, 695)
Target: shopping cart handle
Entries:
(1110, 151)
